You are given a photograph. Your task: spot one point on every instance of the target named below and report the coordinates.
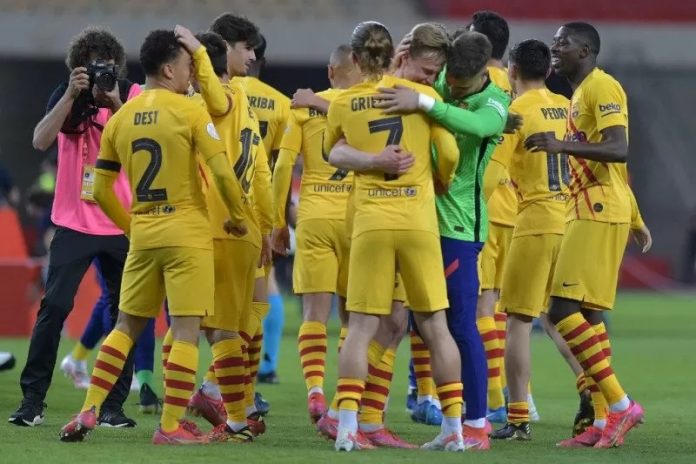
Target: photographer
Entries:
(77, 112)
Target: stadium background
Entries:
(646, 44)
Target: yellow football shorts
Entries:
(529, 269)
(321, 258)
(494, 255)
(588, 263)
(185, 275)
(373, 259)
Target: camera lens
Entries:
(105, 81)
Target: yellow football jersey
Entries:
(599, 191)
(155, 137)
(540, 179)
(502, 205)
(405, 202)
(239, 130)
(325, 189)
(272, 109)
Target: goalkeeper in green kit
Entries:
(476, 111)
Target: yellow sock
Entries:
(342, 337)
(210, 376)
(311, 344)
(450, 395)
(249, 329)
(166, 349)
(586, 347)
(501, 326)
(80, 352)
(518, 412)
(107, 368)
(229, 370)
(581, 383)
(494, 357)
(255, 353)
(421, 366)
(348, 392)
(603, 337)
(379, 378)
(180, 380)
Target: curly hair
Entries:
(95, 42)
(160, 47)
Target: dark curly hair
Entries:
(160, 47)
(99, 42)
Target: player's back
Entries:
(272, 109)
(541, 179)
(325, 189)
(153, 135)
(383, 201)
(599, 191)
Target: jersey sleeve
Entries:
(263, 200)
(106, 170)
(333, 131)
(283, 116)
(108, 159)
(447, 153)
(292, 135)
(212, 91)
(485, 121)
(609, 104)
(636, 218)
(282, 174)
(205, 137)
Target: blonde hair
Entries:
(429, 40)
(373, 48)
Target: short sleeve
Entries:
(333, 131)
(56, 96)
(108, 159)
(205, 137)
(292, 135)
(608, 104)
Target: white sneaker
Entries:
(533, 413)
(346, 440)
(135, 385)
(76, 371)
(451, 442)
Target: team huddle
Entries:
(441, 196)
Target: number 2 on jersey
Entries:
(556, 162)
(143, 192)
(395, 127)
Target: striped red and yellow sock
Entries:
(348, 393)
(259, 312)
(587, 349)
(210, 375)
(107, 368)
(601, 331)
(248, 385)
(518, 412)
(229, 369)
(379, 377)
(421, 366)
(501, 326)
(581, 383)
(489, 336)
(312, 344)
(450, 395)
(180, 380)
(166, 349)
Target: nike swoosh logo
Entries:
(566, 284)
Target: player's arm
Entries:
(263, 199)
(216, 100)
(640, 232)
(306, 98)
(486, 121)
(447, 154)
(498, 170)
(391, 160)
(290, 147)
(106, 171)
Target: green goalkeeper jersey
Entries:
(477, 121)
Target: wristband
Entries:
(425, 102)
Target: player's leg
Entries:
(427, 409)
(144, 364)
(74, 365)
(595, 287)
(272, 332)
(421, 266)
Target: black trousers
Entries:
(71, 253)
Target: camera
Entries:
(102, 74)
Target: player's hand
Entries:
(266, 251)
(399, 99)
(401, 52)
(238, 230)
(79, 81)
(643, 238)
(393, 160)
(186, 38)
(280, 240)
(302, 98)
(513, 123)
(543, 141)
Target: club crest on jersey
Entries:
(212, 131)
